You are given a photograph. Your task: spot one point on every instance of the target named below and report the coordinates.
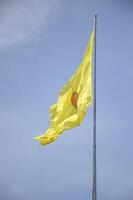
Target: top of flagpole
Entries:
(95, 21)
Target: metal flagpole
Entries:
(94, 189)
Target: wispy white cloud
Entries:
(23, 20)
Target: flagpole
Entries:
(94, 189)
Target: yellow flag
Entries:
(73, 101)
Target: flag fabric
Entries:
(74, 99)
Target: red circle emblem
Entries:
(74, 99)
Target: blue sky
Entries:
(41, 45)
